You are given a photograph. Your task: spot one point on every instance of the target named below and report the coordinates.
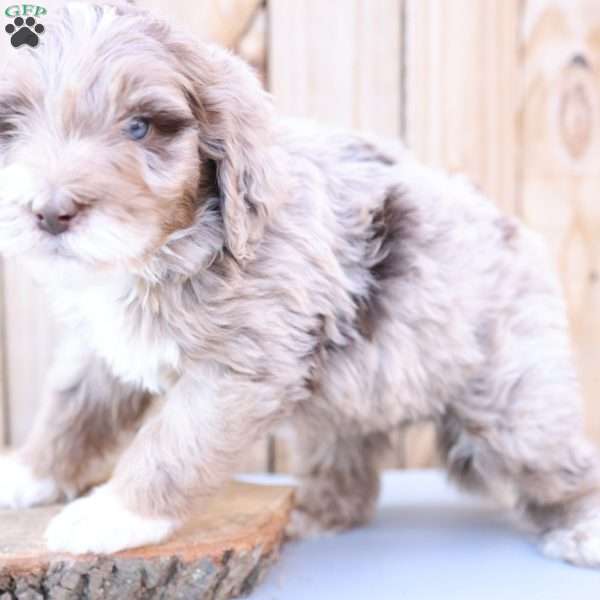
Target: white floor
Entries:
(427, 542)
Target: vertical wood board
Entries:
(461, 83)
(338, 62)
(561, 164)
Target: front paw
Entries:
(579, 545)
(20, 488)
(101, 524)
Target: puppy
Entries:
(252, 272)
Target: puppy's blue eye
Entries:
(137, 128)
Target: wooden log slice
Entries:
(222, 552)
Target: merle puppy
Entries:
(251, 273)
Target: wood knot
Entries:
(576, 112)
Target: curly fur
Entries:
(255, 272)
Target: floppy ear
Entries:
(234, 117)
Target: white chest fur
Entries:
(121, 323)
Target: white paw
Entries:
(579, 545)
(302, 525)
(19, 488)
(100, 524)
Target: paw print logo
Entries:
(24, 32)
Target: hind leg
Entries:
(520, 427)
(339, 483)
(555, 483)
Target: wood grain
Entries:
(30, 335)
(221, 21)
(461, 82)
(561, 164)
(337, 62)
(461, 96)
(222, 552)
(252, 46)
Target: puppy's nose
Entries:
(55, 221)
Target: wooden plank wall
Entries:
(506, 91)
(338, 62)
(461, 91)
(560, 165)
